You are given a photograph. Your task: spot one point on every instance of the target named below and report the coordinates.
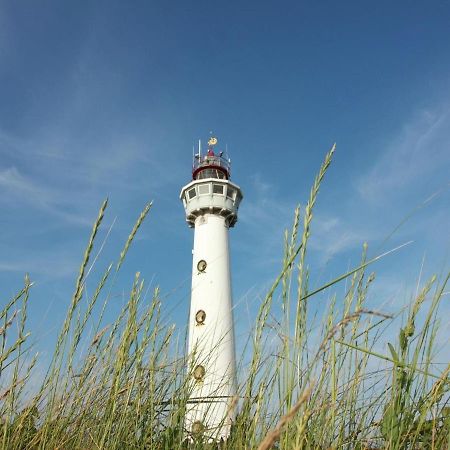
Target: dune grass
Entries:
(303, 388)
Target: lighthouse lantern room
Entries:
(211, 202)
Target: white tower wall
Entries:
(211, 343)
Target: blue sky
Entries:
(105, 99)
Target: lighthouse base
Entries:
(209, 420)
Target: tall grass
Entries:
(303, 388)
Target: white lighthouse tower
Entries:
(211, 202)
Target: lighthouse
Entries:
(211, 202)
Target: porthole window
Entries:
(199, 372)
(200, 317)
(198, 427)
(201, 265)
(191, 193)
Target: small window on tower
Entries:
(217, 189)
(201, 265)
(191, 193)
(203, 189)
(200, 317)
(199, 373)
(198, 427)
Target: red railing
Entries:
(218, 162)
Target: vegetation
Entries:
(127, 388)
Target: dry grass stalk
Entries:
(273, 435)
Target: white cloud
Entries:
(20, 189)
(331, 236)
(421, 148)
(20, 147)
(51, 174)
(264, 216)
(55, 264)
(14, 184)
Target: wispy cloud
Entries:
(50, 173)
(331, 236)
(54, 264)
(19, 189)
(264, 216)
(419, 150)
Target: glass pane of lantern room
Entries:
(210, 173)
